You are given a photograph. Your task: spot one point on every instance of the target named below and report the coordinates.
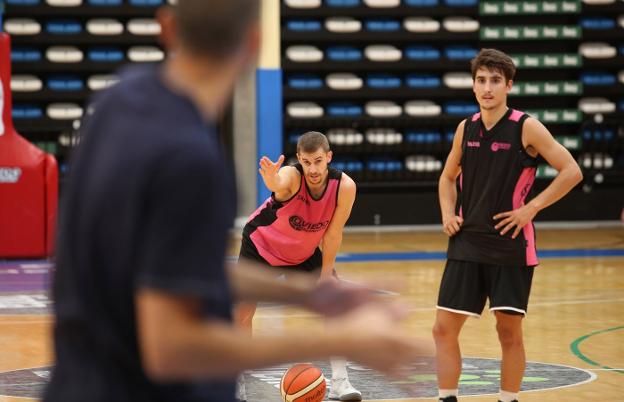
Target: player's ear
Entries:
(169, 27)
(330, 154)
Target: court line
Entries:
(574, 347)
(441, 255)
(431, 308)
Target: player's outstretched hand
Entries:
(268, 169)
(377, 340)
(332, 297)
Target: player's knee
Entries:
(509, 336)
(442, 332)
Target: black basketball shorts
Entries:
(465, 286)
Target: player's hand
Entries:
(376, 338)
(268, 169)
(452, 225)
(332, 297)
(517, 218)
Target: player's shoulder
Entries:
(347, 184)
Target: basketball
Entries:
(303, 382)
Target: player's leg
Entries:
(513, 362)
(448, 355)
(509, 298)
(462, 294)
(340, 387)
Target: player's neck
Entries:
(316, 190)
(201, 81)
(490, 117)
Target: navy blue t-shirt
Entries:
(150, 199)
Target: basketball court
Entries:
(574, 331)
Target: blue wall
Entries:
(269, 136)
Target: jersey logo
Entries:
(473, 144)
(503, 146)
(299, 224)
(303, 199)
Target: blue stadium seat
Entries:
(598, 78)
(450, 135)
(344, 109)
(25, 54)
(422, 53)
(423, 136)
(461, 3)
(23, 2)
(63, 27)
(383, 25)
(343, 53)
(461, 108)
(421, 3)
(146, 3)
(305, 81)
(105, 55)
(422, 81)
(597, 23)
(65, 83)
(304, 25)
(385, 81)
(342, 3)
(460, 52)
(105, 3)
(26, 112)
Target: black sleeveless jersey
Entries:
(497, 174)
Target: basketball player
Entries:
(491, 251)
(308, 208)
(142, 299)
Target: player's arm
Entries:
(537, 140)
(281, 181)
(447, 191)
(333, 236)
(176, 343)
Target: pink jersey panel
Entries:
(299, 228)
(525, 182)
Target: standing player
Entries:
(491, 251)
(310, 205)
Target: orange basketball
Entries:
(303, 382)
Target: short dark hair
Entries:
(312, 141)
(493, 60)
(215, 27)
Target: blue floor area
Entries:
(420, 255)
(441, 255)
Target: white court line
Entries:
(420, 309)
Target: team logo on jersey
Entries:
(503, 146)
(473, 144)
(299, 224)
(303, 199)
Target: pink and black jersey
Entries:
(497, 175)
(287, 233)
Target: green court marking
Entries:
(476, 383)
(574, 346)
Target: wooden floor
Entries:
(575, 318)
